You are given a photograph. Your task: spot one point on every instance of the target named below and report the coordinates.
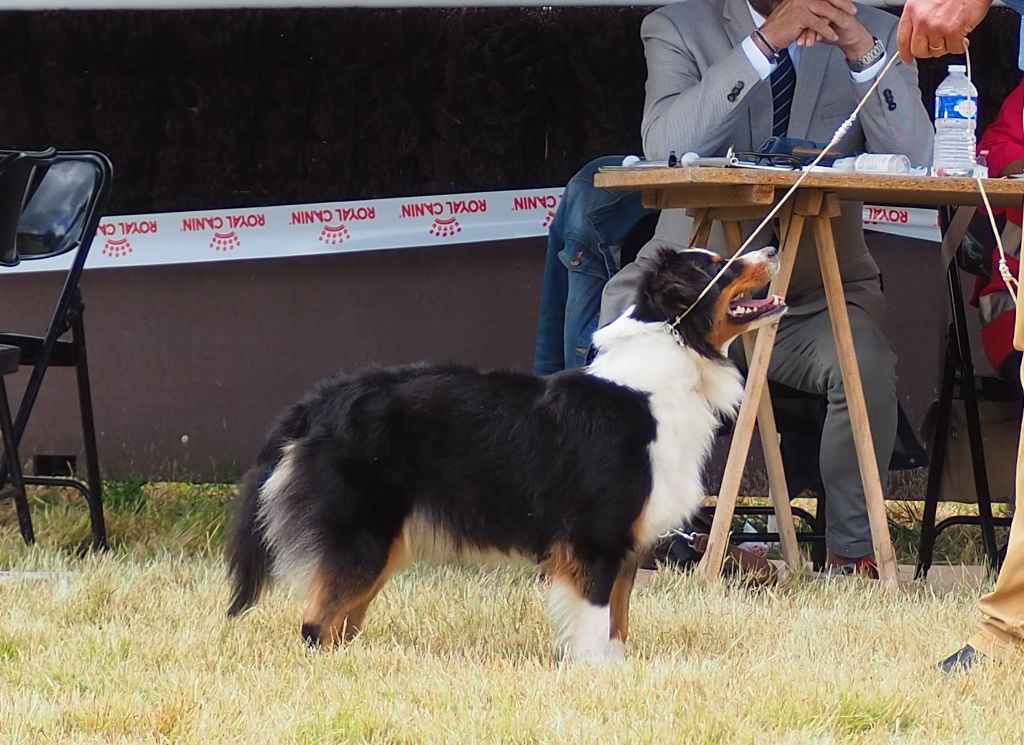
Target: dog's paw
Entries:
(611, 653)
(615, 652)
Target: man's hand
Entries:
(933, 28)
(854, 40)
(797, 20)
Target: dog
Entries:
(580, 471)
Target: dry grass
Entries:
(134, 647)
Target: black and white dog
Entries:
(580, 471)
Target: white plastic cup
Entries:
(882, 163)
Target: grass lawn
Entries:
(133, 647)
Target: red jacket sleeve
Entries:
(1004, 139)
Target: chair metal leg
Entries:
(926, 547)
(818, 548)
(92, 460)
(970, 397)
(12, 463)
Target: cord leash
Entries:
(839, 134)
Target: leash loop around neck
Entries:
(672, 328)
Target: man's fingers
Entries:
(807, 38)
(919, 45)
(844, 6)
(955, 44)
(826, 10)
(936, 45)
(903, 34)
(821, 27)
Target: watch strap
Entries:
(872, 56)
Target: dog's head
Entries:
(671, 287)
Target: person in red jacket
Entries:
(1003, 145)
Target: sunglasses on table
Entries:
(776, 160)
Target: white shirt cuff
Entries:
(866, 76)
(760, 63)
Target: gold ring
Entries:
(935, 49)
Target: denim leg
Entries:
(548, 354)
(584, 243)
(586, 280)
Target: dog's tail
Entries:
(249, 558)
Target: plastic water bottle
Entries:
(956, 114)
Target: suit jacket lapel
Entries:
(809, 77)
(739, 25)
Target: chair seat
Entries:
(9, 358)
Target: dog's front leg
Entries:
(619, 605)
(579, 602)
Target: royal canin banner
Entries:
(368, 225)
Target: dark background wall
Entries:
(223, 109)
(204, 109)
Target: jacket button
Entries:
(739, 85)
(732, 96)
(892, 106)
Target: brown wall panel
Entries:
(214, 351)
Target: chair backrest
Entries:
(978, 243)
(63, 207)
(19, 173)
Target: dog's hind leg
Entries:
(342, 590)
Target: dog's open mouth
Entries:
(750, 310)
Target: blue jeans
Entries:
(584, 251)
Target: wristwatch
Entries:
(874, 54)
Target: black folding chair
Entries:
(972, 252)
(16, 175)
(800, 419)
(60, 216)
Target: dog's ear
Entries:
(676, 281)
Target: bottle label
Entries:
(956, 107)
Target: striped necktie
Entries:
(783, 82)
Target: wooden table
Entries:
(732, 195)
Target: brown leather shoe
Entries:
(863, 566)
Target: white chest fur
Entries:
(687, 392)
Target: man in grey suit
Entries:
(733, 72)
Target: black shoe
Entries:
(961, 661)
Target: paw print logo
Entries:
(117, 248)
(548, 218)
(225, 241)
(332, 235)
(445, 228)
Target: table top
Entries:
(874, 188)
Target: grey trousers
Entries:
(805, 358)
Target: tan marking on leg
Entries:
(353, 623)
(639, 529)
(338, 610)
(564, 575)
(621, 591)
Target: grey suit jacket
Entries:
(694, 61)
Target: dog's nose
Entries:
(311, 633)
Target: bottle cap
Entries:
(957, 68)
